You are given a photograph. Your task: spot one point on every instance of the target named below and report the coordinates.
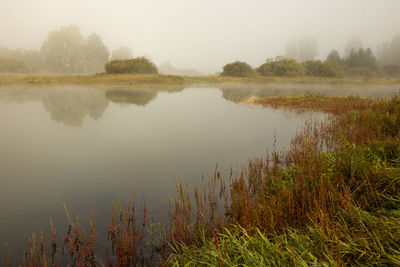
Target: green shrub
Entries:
(392, 70)
(138, 65)
(361, 71)
(322, 69)
(281, 67)
(13, 65)
(238, 69)
(363, 58)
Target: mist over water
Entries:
(83, 146)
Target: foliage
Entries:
(334, 57)
(281, 67)
(360, 71)
(238, 69)
(140, 65)
(62, 51)
(30, 57)
(323, 69)
(96, 54)
(67, 51)
(311, 246)
(13, 65)
(392, 70)
(362, 58)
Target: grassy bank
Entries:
(139, 79)
(332, 199)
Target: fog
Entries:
(203, 35)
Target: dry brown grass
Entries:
(331, 104)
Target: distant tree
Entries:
(281, 66)
(334, 57)
(322, 69)
(95, 54)
(291, 49)
(238, 69)
(30, 57)
(392, 70)
(62, 51)
(14, 65)
(138, 65)
(389, 52)
(354, 43)
(122, 52)
(363, 58)
(395, 46)
(307, 49)
(385, 55)
(302, 49)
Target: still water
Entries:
(83, 146)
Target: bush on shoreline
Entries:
(139, 65)
(281, 67)
(238, 69)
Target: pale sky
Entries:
(203, 34)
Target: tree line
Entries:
(300, 60)
(65, 50)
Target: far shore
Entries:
(140, 79)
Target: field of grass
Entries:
(139, 79)
(332, 199)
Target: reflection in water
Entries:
(140, 98)
(70, 105)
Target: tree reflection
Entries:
(71, 105)
(140, 98)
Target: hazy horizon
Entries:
(203, 35)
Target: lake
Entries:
(85, 146)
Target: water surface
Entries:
(83, 146)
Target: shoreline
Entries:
(139, 79)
